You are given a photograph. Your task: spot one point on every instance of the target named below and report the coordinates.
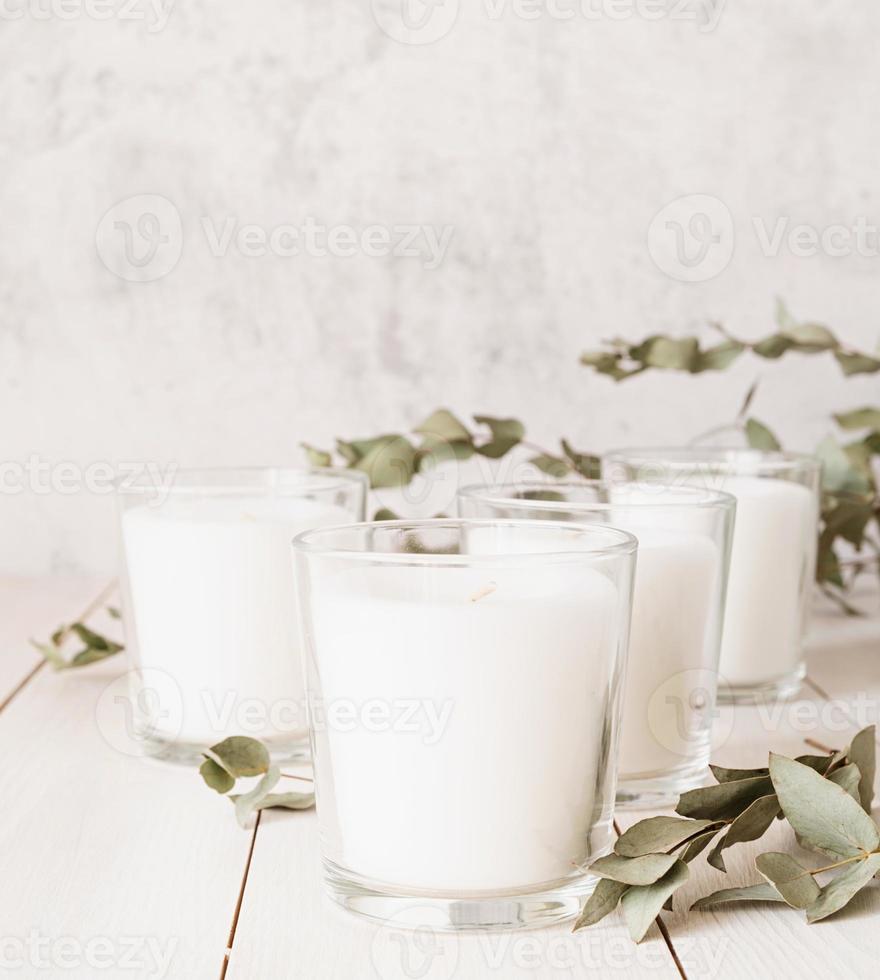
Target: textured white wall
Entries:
(547, 144)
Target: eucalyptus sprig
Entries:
(826, 800)
(393, 460)
(850, 515)
(95, 647)
(240, 757)
(620, 359)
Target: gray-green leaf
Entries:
(216, 776)
(248, 803)
(506, 433)
(698, 845)
(822, 814)
(287, 801)
(644, 870)
(847, 777)
(240, 756)
(641, 906)
(793, 881)
(863, 752)
(750, 893)
(604, 899)
(658, 834)
(749, 825)
(724, 801)
(760, 437)
(444, 425)
(723, 775)
(843, 888)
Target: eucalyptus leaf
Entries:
(823, 816)
(750, 893)
(848, 777)
(681, 354)
(749, 825)
(96, 649)
(552, 465)
(863, 753)
(316, 457)
(644, 870)
(604, 899)
(287, 801)
(857, 363)
(91, 656)
(721, 356)
(842, 889)
(248, 803)
(760, 437)
(385, 514)
(811, 337)
(389, 461)
(587, 465)
(443, 424)
(773, 347)
(699, 844)
(51, 653)
(859, 418)
(793, 882)
(723, 775)
(216, 776)
(724, 801)
(658, 834)
(240, 755)
(506, 433)
(642, 905)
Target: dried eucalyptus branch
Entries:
(240, 757)
(95, 646)
(826, 800)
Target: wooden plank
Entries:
(32, 609)
(103, 855)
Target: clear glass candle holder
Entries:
(684, 538)
(773, 560)
(464, 682)
(209, 604)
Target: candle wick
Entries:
(484, 591)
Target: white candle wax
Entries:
(770, 565)
(672, 649)
(214, 606)
(513, 789)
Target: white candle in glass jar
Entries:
(771, 562)
(515, 662)
(213, 601)
(670, 684)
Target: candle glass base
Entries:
(450, 912)
(291, 750)
(783, 688)
(657, 791)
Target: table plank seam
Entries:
(230, 942)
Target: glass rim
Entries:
(679, 457)
(497, 494)
(308, 543)
(220, 480)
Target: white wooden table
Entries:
(112, 866)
